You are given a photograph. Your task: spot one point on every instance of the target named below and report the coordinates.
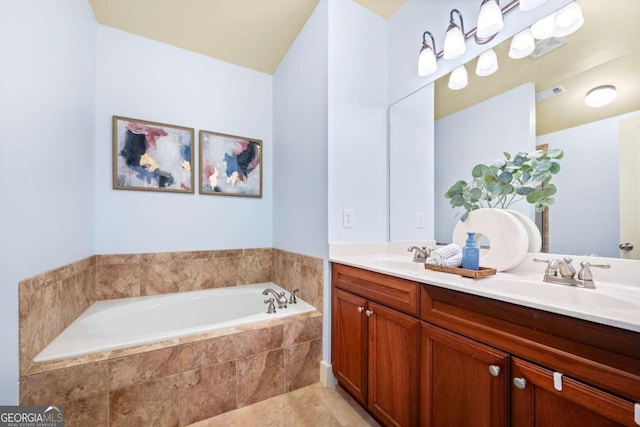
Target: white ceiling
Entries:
(251, 33)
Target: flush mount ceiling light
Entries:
(522, 44)
(543, 29)
(454, 45)
(487, 63)
(490, 21)
(526, 5)
(600, 96)
(427, 60)
(458, 78)
(567, 20)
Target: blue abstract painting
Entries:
(152, 156)
(230, 165)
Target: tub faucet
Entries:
(282, 300)
(292, 297)
(272, 306)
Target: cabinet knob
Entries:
(360, 309)
(368, 313)
(520, 383)
(494, 370)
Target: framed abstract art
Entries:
(152, 156)
(230, 165)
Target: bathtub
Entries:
(127, 322)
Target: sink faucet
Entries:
(563, 272)
(282, 300)
(419, 254)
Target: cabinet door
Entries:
(463, 383)
(536, 402)
(349, 344)
(393, 365)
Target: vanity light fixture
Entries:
(526, 5)
(600, 96)
(427, 63)
(490, 21)
(522, 44)
(543, 28)
(567, 20)
(487, 63)
(454, 41)
(458, 78)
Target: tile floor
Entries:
(311, 406)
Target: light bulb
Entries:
(490, 19)
(600, 96)
(487, 63)
(522, 44)
(543, 29)
(526, 5)
(427, 63)
(567, 20)
(458, 78)
(454, 45)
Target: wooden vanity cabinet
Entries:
(463, 382)
(454, 359)
(536, 402)
(375, 348)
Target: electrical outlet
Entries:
(347, 218)
(419, 219)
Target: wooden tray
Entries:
(475, 274)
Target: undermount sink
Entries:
(561, 294)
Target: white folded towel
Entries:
(454, 261)
(446, 252)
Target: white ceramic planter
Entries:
(507, 235)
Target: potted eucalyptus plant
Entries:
(521, 176)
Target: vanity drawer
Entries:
(403, 295)
(600, 355)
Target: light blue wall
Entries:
(358, 105)
(144, 79)
(301, 144)
(47, 83)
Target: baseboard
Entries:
(326, 375)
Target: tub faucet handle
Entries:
(292, 297)
(272, 306)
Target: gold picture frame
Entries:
(152, 156)
(230, 165)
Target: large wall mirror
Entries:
(539, 100)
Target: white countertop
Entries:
(614, 302)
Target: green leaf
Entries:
(478, 170)
(526, 176)
(534, 196)
(543, 165)
(549, 190)
(506, 155)
(475, 194)
(535, 154)
(519, 160)
(555, 167)
(523, 191)
(555, 153)
(505, 176)
(464, 216)
(457, 200)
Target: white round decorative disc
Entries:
(507, 237)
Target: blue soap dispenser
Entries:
(471, 254)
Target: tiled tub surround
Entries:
(50, 301)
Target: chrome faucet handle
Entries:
(552, 265)
(272, 306)
(585, 272)
(566, 269)
(292, 297)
